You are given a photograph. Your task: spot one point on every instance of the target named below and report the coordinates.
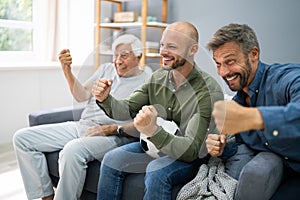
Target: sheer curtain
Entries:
(56, 24)
(51, 28)
(70, 25)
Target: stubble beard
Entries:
(244, 78)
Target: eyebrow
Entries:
(226, 56)
(169, 43)
(231, 54)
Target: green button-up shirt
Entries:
(189, 106)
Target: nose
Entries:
(163, 50)
(118, 59)
(223, 71)
(118, 63)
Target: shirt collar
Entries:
(254, 86)
(194, 74)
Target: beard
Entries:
(244, 78)
(179, 62)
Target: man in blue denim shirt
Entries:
(265, 112)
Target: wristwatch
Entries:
(120, 130)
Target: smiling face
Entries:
(237, 70)
(178, 45)
(126, 63)
(172, 50)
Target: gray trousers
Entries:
(76, 152)
(235, 164)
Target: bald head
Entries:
(185, 28)
(179, 44)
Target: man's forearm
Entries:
(256, 120)
(130, 130)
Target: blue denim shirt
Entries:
(275, 91)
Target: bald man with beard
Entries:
(179, 92)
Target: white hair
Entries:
(136, 44)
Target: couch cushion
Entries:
(255, 181)
(92, 175)
(133, 186)
(52, 162)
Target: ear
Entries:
(139, 57)
(254, 54)
(194, 49)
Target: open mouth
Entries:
(167, 59)
(231, 77)
(120, 67)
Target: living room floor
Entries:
(10, 178)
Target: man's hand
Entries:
(65, 59)
(215, 144)
(103, 130)
(145, 121)
(101, 89)
(232, 118)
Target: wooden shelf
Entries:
(133, 24)
(143, 24)
(118, 1)
(110, 53)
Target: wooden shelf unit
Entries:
(118, 26)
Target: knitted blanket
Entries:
(210, 183)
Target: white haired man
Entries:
(89, 138)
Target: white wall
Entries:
(276, 23)
(30, 89)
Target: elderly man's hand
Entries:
(65, 59)
(102, 130)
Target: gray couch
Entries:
(253, 181)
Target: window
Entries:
(34, 31)
(22, 27)
(16, 25)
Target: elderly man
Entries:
(86, 140)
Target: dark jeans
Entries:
(161, 173)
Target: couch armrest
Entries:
(260, 177)
(56, 115)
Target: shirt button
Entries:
(174, 90)
(275, 133)
(169, 108)
(266, 143)
(256, 91)
(286, 158)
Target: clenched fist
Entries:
(65, 59)
(101, 89)
(145, 121)
(232, 118)
(215, 144)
